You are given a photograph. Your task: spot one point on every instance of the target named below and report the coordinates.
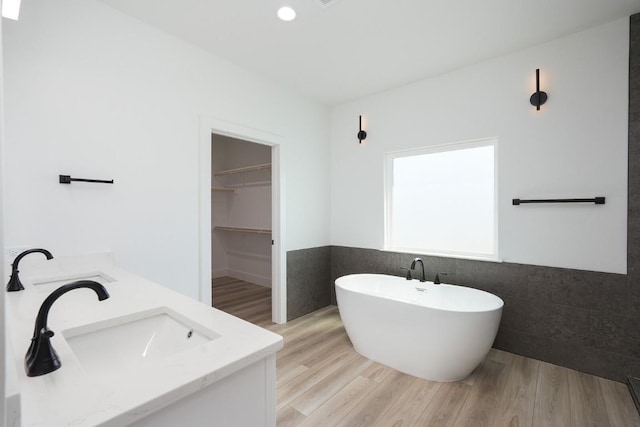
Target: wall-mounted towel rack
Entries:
(596, 200)
(66, 179)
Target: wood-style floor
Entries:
(322, 381)
(245, 300)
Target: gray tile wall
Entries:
(624, 326)
(308, 280)
(583, 320)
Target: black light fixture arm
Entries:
(539, 97)
(362, 135)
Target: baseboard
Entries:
(219, 273)
(248, 277)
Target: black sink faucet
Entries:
(41, 358)
(14, 282)
(423, 278)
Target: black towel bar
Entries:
(66, 179)
(596, 200)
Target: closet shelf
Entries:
(242, 170)
(223, 189)
(243, 230)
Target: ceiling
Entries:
(355, 48)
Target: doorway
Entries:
(232, 132)
(241, 259)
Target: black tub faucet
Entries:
(14, 281)
(423, 278)
(436, 281)
(41, 358)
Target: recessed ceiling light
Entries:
(286, 13)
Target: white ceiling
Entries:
(358, 47)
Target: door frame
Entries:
(208, 126)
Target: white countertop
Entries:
(74, 396)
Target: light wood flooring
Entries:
(322, 381)
(245, 300)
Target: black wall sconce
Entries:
(362, 135)
(539, 97)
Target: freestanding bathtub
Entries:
(435, 332)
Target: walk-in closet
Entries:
(241, 238)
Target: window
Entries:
(443, 200)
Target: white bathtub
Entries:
(439, 334)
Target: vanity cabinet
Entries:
(244, 398)
(227, 379)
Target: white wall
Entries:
(3, 367)
(93, 93)
(576, 146)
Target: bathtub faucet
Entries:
(423, 278)
(436, 281)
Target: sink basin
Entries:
(63, 280)
(128, 343)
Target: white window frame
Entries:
(388, 182)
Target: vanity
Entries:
(145, 356)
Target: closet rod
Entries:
(243, 230)
(243, 170)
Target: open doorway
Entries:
(209, 126)
(241, 237)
